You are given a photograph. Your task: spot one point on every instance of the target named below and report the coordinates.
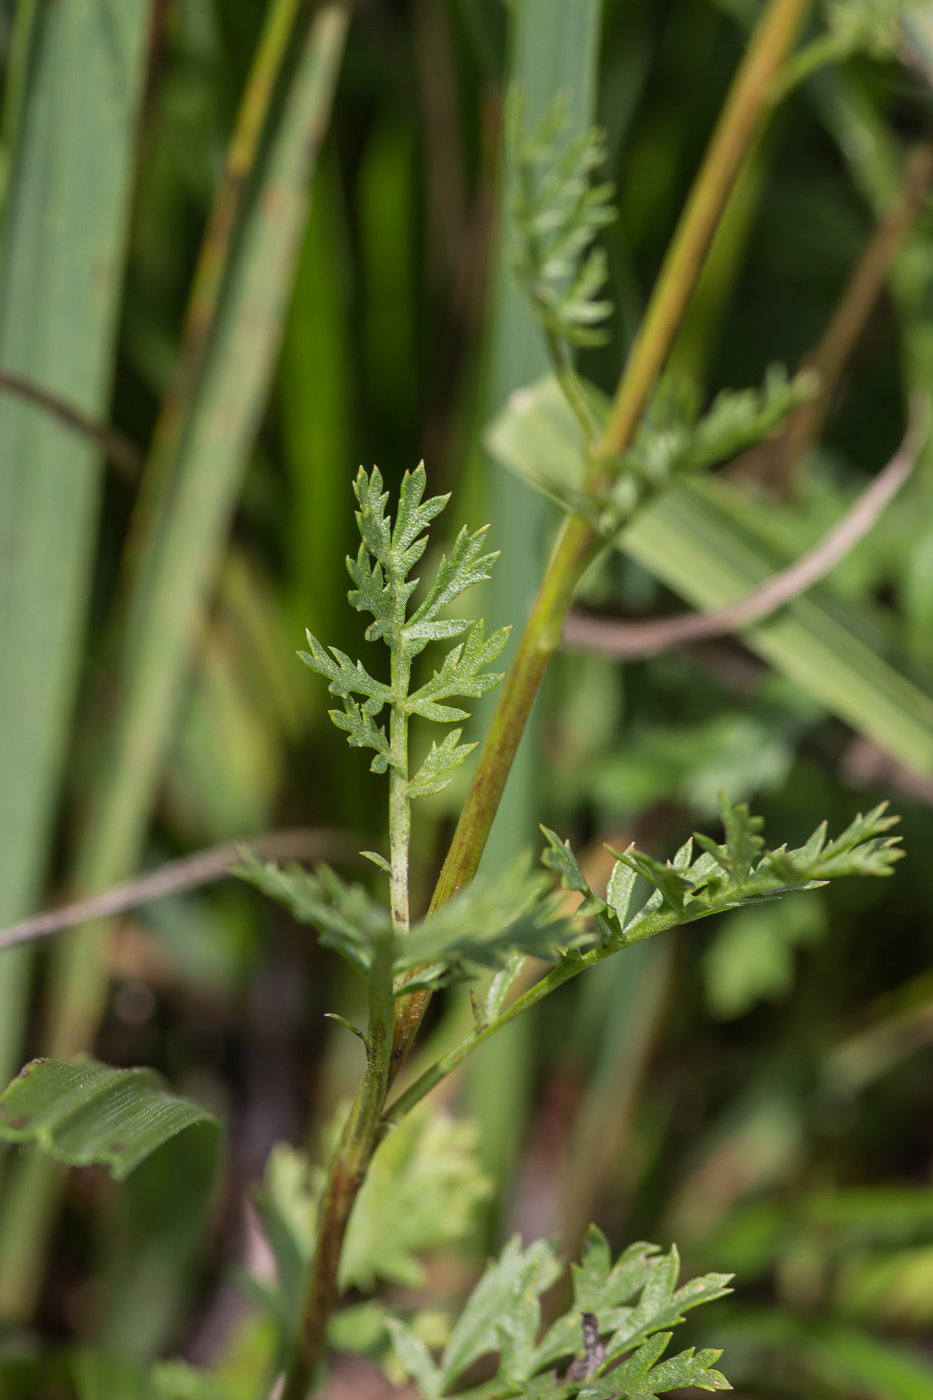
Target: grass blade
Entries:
(712, 545)
(179, 534)
(74, 133)
(176, 572)
(87, 1114)
(554, 49)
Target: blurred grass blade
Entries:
(711, 545)
(554, 49)
(840, 1360)
(172, 583)
(315, 394)
(701, 541)
(213, 263)
(65, 233)
(177, 541)
(87, 1114)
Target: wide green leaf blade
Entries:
(183, 539)
(64, 239)
(704, 540)
(552, 48)
(87, 1114)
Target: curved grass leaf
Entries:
(700, 540)
(64, 235)
(87, 1114)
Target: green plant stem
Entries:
(568, 968)
(579, 544)
(748, 101)
(574, 395)
(344, 1178)
(577, 547)
(399, 804)
(358, 1139)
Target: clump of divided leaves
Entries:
(611, 1341)
(608, 1344)
(556, 215)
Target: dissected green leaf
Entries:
(86, 1113)
(484, 925)
(421, 1192)
(437, 769)
(346, 917)
(743, 844)
(465, 567)
(462, 673)
(347, 679)
(556, 213)
(382, 587)
(602, 1329)
(507, 1292)
(537, 436)
(670, 443)
(668, 882)
(639, 1377)
(728, 876)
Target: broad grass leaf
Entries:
(86, 1114)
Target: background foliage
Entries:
(756, 1087)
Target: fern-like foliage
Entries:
(485, 926)
(556, 213)
(496, 924)
(609, 1344)
(673, 441)
(380, 573)
(869, 25)
(534, 437)
(729, 876)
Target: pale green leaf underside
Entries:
(85, 1114)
